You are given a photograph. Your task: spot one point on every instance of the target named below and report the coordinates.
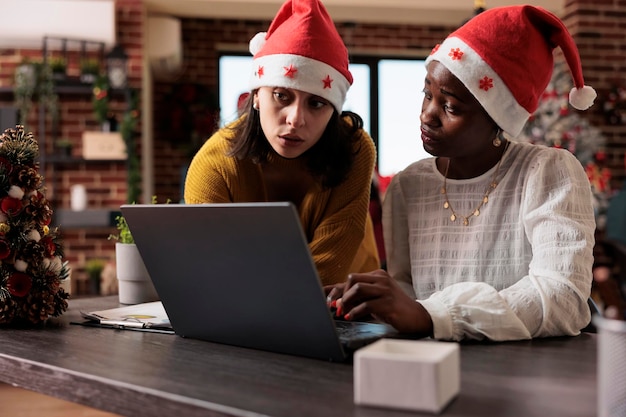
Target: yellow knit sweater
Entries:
(336, 221)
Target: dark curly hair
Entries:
(329, 160)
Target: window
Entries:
(231, 86)
(400, 86)
(390, 89)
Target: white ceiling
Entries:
(444, 12)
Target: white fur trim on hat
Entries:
(300, 73)
(484, 83)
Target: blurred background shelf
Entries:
(66, 218)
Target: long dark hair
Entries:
(329, 160)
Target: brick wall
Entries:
(598, 26)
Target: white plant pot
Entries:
(134, 283)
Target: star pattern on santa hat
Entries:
(259, 72)
(290, 71)
(456, 54)
(327, 82)
(485, 83)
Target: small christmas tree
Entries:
(31, 265)
(556, 124)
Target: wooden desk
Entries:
(146, 374)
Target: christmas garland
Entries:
(100, 99)
(127, 129)
(31, 266)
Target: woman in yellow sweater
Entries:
(294, 143)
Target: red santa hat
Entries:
(504, 56)
(302, 50)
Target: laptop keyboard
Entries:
(350, 330)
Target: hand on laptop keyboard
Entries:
(341, 317)
(336, 316)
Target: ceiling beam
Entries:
(434, 12)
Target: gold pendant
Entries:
(465, 221)
(476, 213)
(452, 217)
(446, 205)
(485, 199)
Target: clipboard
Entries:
(147, 317)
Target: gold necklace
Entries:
(476, 212)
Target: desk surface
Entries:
(148, 374)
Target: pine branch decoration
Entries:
(32, 270)
(19, 147)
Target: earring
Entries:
(255, 106)
(497, 141)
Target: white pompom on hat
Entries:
(302, 50)
(504, 56)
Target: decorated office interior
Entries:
(105, 103)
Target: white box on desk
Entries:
(407, 374)
(104, 145)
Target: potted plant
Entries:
(89, 70)
(94, 268)
(134, 283)
(64, 147)
(25, 79)
(58, 66)
(124, 235)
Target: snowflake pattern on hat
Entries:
(455, 54)
(485, 83)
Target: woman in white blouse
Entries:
(490, 238)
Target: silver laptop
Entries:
(242, 274)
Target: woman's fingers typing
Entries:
(376, 294)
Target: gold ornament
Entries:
(4, 228)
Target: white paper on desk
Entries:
(150, 315)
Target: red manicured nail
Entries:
(347, 317)
(333, 304)
(339, 310)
